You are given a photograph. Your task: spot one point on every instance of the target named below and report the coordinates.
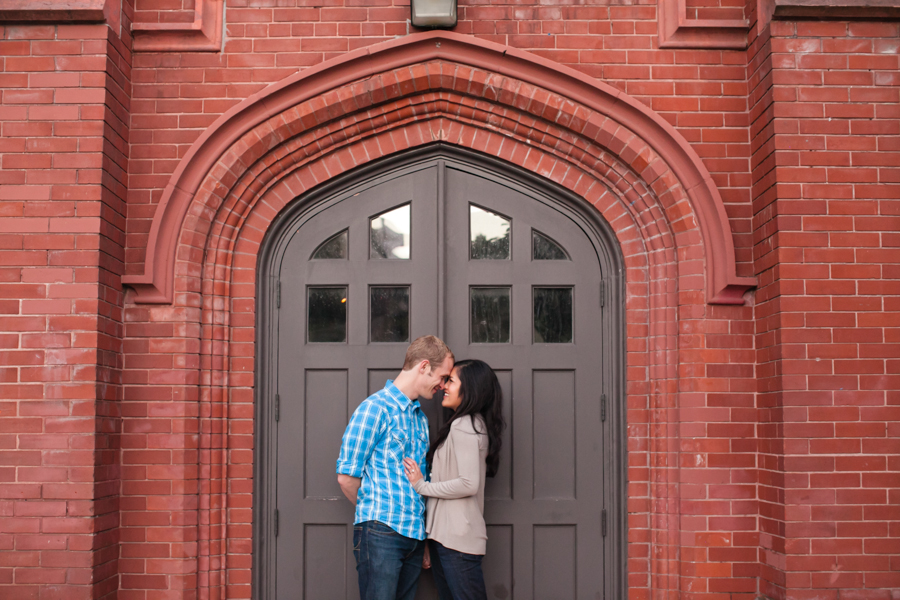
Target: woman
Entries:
(467, 449)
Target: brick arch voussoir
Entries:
(573, 148)
(243, 195)
(562, 167)
(484, 74)
(246, 239)
(269, 143)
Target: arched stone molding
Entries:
(614, 120)
(226, 237)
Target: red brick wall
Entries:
(827, 217)
(789, 415)
(63, 150)
(702, 93)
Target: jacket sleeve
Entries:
(465, 447)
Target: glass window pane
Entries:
(546, 249)
(327, 317)
(389, 234)
(552, 315)
(389, 308)
(333, 247)
(490, 315)
(488, 235)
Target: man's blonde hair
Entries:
(427, 347)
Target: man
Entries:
(389, 527)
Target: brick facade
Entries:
(762, 431)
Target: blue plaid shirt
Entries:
(385, 428)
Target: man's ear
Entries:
(425, 364)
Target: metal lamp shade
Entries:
(434, 14)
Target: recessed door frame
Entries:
(613, 325)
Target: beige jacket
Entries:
(455, 513)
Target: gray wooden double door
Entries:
(502, 275)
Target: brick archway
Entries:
(601, 145)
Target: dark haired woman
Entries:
(466, 450)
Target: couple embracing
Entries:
(384, 453)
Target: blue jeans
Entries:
(388, 564)
(457, 575)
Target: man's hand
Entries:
(350, 486)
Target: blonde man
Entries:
(389, 525)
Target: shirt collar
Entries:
(399, 397)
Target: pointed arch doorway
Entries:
(506, 267)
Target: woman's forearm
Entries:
(448, 490)
(465, 449)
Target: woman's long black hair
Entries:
(481, 395)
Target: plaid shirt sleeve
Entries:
(366, 427)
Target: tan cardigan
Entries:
(455, 513)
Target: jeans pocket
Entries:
(357, 536)
(359, 544)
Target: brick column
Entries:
(64, 115)
(827, 252)
(769, 386)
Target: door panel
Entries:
(543, 508)
(325, 558)
(499, 487)
(323, 426)
(553, 403)
(555, 549)
(497, 564)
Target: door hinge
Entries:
(603, 407)
(602, 293)
(278, 294)
(276, 523)
(602, 522)
(277, 408)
